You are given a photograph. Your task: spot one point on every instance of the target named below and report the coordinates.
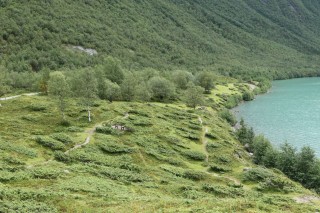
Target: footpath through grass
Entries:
(163, 160)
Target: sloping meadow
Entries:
(143, 157)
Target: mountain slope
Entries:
(166, 158)
(228, 36)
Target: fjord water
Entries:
(289, 112)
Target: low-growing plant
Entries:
(37, 107)
(228, 116)
(194, 155)
(257, 174)
(194, 175)
(62, 138)
(45, 173)
(115, 148)
(50, 143)
(219, 168)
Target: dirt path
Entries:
(90, 132)
(204, 140)
(18, 96)
(306, 199)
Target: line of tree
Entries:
(110, 82)
(301, 166)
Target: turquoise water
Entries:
(289, 112)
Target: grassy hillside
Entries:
(248, 37)
(155, 164)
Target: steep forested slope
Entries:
(268, 36)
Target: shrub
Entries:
(233, 101)
(74, 129)
(223, 190)
(212, 146)
(194, 175)
(116, 148)
(276, 184)
(65, 123)
(104, 130)
(62, 138)
(211, 135)
(13, 160)
(121, 174)
(194, 155)
(50, 143)
(248, 96)
(37, 107)
(257, 174)
(228, 116)
(218, 168)
(45, 173)
(62, 157)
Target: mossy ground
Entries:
(163, 162)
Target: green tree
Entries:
(113, 70)
(248, 95)
(44, 81)
(182, 78)
(305, 162)
(112, 91)
(85, 86)
(142, 93)
(4, 88)
(194, 96)
(287, 160)
(260, 147)
(245, 135)
(58, 88)
(128, 87)
(205, 80)
(161, 89)
(270, 157)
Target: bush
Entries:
(248, 96)
(211, 135)
(74, 129)
(228, 116)
(45, 173)
(65, 123)
(212, 146)
(104, 130)
(194, 175)
(50, 143)
(194, 155)
(233, 101)
(62, 157)
(218, 168)
(257, 174)
(223, 191)
(62, 138)
(276, 184)
(116, 148)
(13, 160)
(37, 107)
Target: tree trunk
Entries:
(89, 114)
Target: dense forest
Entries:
(247, 38)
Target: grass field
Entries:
(168, 158)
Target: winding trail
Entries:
(204, 146)
(18, 96)
(204, 140)
(90, 132)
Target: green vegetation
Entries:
(302, 166)
(133, 110)
(138, 155)
(245, 39)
